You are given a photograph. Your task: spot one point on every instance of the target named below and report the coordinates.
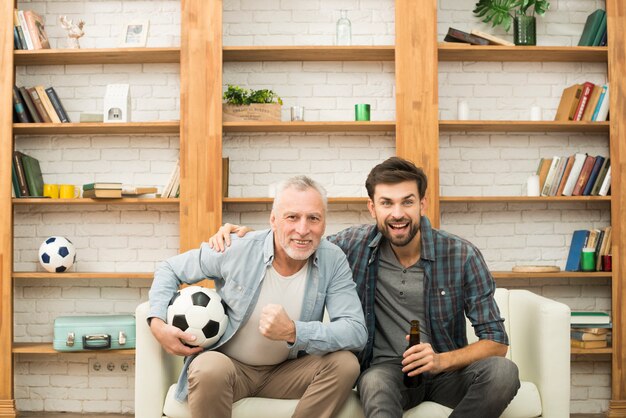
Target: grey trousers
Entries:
(482, 389)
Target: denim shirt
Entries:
(238, 273)
(457, 283)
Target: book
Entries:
(545, 191)
(225, 172)
(58, 106)
(556, 181)
(603, 110)
(585, 172)
(102, 193)
(102, 186)
(606, 184)
(592, 103)
(41, 110)
(597, 39)
(47, 104)
(544, 167)
(588, 344)
(592, 24)
(569, 102)
(579, 161)
(456, 35)
(584, 98)
(579, 240)
(593, 175)
(598, 105)
(30, 106)
(586, 336)
(566, 173)
(32, 172)
(19, 107)
(24, 26)
(135, 191)
(167, 190)
(18, 27)
(590, 317)
(17, 44)
(494, 40)
(14, 182)
(600, 178)
(19, 171)
(593, 330)
(37, 30)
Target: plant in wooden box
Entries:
(520, 12)
(245, 104)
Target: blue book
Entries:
(593, 176)
(579, 240)
(597, 109)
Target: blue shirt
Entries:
(238, 273)
(457, 283)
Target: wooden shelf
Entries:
(464, 52)
(76, 275)
(261, 126)
(166, 127)
(543, 199)
(592, 351)
(308, 53)
(331, 200)
(46, 348)
(82, 201)
(521, 126)
(560, 275)
(97, 56)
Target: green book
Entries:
(32, 172)
(600, 32)
(16, 184)
(585, 317)
(592, 25)
(102, 185)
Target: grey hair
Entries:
(300, 183)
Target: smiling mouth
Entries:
(398, 226)
(301, 242)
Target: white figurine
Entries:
(73, 31)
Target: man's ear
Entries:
(273, 221)
(370, 207)
(423, 205)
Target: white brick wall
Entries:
(135, 238)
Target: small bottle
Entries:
(414, 339)
(344, 29)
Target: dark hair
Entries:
(396, 170)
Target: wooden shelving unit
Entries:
(97, 56)
(462, 52)
(81, 275)
(46, 348)
(521, 126)
(308, 53)
(21, 201)
(165, 127)
(254, 126)
(591, 351)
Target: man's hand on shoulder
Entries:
(276, 325)
(221, 239)
(169, 337)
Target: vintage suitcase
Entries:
(107, 332)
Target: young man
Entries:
(276, 284)
(404, 270)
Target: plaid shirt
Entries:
(457, 283)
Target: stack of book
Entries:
(598, 240)
(476, 37)
(585, 102)
(29, 31)
(594, 32)
(26, 176)
(172, 188)
(590, 329)
(102, 190)
(576, 175)
(38, 105)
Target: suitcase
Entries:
(81, 333)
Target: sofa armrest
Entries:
(155, 370)
(540, 346)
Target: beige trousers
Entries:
(322, 383)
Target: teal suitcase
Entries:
(82, 333)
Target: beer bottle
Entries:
(414, 339)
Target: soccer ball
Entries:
(198, 311)
(57, 254)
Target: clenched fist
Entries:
(276, 325)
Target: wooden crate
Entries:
(255, 111)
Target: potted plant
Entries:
(520, 12)
(246, 104)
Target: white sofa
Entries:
(538, 330)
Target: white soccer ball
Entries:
(198, 311)
(57, 254)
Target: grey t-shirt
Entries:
(399, 299)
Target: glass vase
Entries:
(344, 29)
(524, 30)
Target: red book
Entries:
(584, 99)
(584, 176)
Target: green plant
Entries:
(239, 96)
(500, 12)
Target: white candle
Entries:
(463, 110)
(535, 113)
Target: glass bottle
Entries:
(344, 29)
(414, 339)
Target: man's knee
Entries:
(344, 365)
(503, 374)
(373, 380)
(211, 369)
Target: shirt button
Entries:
(443, 292)
(401, 293)
(404, 271)
(403, 281)
(239, 288)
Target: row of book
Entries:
(26, 176)
(585, 102)
(594, 32)
(38, 105)
(590, 329)
(114, 190)
(172, 188)
(475, 37)
(577, 175)
(29, 30)
(598, 240)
